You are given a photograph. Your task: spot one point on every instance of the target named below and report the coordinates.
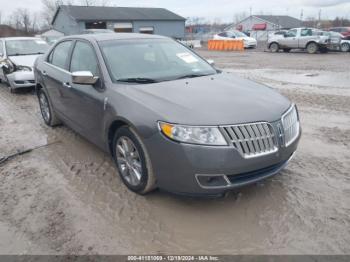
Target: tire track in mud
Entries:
(94, 177)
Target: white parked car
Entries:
(17, 57)
(249, 42)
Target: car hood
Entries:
(212, 100)
(24, 60)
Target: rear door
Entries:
(86, 102)
(306, 35)
(55, 74)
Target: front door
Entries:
(86, 102)
(55, 74)
(290, 39)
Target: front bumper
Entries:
(182, 168)
(250, 44)
(21, 79)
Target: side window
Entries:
(223, 34)
(84, 59)
(59, 55)
(292, 33)
(306, 32)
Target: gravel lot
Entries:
(67, 198)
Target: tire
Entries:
(312, 48)
(47, 112)
(134, 160)
(324, 50)
(286, 50)
(274, 47)
(345, 47)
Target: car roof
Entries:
(20, 38)
(114, 36)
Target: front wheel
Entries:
(47, 111)
(274, 47)
(312, 48)
(345, 47)
(133, 162)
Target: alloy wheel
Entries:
(44, 107)
(129, 161)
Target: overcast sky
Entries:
(222, 9)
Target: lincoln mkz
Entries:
(169, 119)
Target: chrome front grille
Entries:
(290, 124)
(252, 140)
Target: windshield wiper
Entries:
(19, 54)
(192, 76)
(141, 80)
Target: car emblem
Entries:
(280, 134)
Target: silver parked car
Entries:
(17, 57)
(167, 117)
(300, 38)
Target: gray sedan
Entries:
(169, 119)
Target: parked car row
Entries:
(148, 101)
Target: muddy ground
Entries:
(67, 198)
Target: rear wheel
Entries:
(274, 47)
(312, 48)
(47, 110)
(133, 162)
(345, 47)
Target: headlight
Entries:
(193, 134)
(23, 68)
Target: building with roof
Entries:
(70, 20)
(259, 25)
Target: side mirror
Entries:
(84, 78)
(211, 62)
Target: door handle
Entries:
(66, 85)
(44, 73)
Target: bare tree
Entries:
(240, 16)
(95, 2)
(50, 7)
(25, 19)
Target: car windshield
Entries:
(26, 47)
(152, 60)
(240, 34)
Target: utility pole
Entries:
(250, 17)
(301, 16)
(319, 17)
